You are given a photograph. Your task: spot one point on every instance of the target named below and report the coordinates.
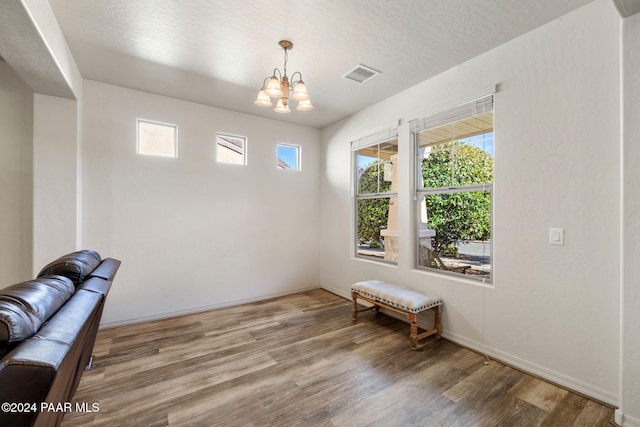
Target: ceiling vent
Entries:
(361, 73)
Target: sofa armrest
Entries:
(71, 322)
(106, 270)
(31, 369)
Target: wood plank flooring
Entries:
(300, 361)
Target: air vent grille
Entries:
(361, 73)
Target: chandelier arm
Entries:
(293, 80)
(278, 72)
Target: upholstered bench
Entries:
(401, 300)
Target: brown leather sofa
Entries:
(47, 330)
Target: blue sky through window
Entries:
(289, 155)
(364, 161)
(483, 142)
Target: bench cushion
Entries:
(395, 296)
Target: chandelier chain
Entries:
(286, 59)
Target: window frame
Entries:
(478, 107)
(245, 144)
(157, 123)
(376, 139)
(298, 148)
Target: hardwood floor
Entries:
(299, 360)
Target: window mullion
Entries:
(457, 189)
(376, 195)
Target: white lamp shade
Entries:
(300, 92)
(305, 105)
(263, 99)
(273, 88)
(281, 108)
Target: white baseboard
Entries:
(336, 291)
(550, 375)
(537, 370)
(519, 363)
(199, 309)
(624, 420)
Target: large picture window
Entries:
(454, 171)
(376, 201)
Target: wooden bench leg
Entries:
(413, 336)
(354, 307)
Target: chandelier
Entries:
(278, 86)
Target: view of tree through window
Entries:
(453, 167)
(454, 196)
(376, 200)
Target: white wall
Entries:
(56, 181)
(630, 372)
(35, 47)
(16, 181)
(192, 233)
(552, 310)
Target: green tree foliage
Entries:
(457, 216)
(372, 213)
(454, 216)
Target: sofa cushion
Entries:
(25, 306)
(76, 265)
(71, 322)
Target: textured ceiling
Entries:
(22, 46)
(217, 52)
(627, 7)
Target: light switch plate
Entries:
(556, 236)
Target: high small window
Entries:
(376, 196)
(288, 157)
(231, 149)
(454, 171)
(157, 139)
